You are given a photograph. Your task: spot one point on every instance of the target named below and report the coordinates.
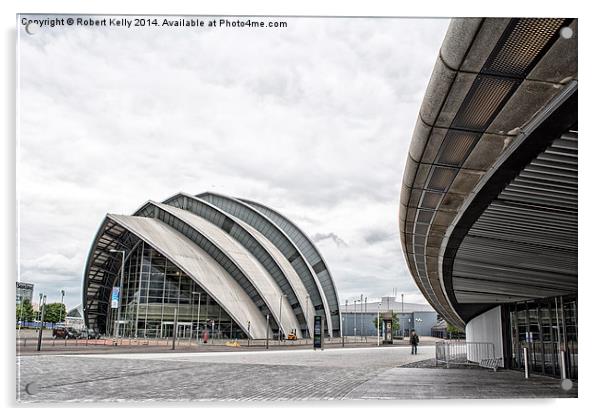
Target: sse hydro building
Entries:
(217, 263)
(488, 213)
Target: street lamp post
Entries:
(366, 314)
(61, 310)
(344, 319)
(307, 315)
(198, 316)
(116, 330)
(361, 316)
(280, 318)
(248, 333)
(267, 331)
(378, 325)
(42, 310)
(355, 320)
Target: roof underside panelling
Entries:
(524, 245)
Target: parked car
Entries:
(64, 333)
(89, 334)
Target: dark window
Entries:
(319, 267)
(293, 257)
(227, 225)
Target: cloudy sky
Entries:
(313, 120)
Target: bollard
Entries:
(526, 360)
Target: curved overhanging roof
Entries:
(491, 171)
(283, 242)
(311, 253)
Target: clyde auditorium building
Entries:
(488, 215)
(217, 260)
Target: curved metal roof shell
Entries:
(284, 243)
(311, 253)
(496, 84)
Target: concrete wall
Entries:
(486, 327)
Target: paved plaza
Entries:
(331, 374)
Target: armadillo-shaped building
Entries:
(208, 262)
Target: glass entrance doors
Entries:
(547, 328)
(184, 330)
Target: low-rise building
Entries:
(358, 318)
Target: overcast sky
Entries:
(313, 120)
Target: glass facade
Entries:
(153, 290)
(548, 329)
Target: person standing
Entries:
(414, 341)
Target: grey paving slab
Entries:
(383, 357)
(443, 383)
(334, 374)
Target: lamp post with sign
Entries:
(118, 321)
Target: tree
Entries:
(453, 331)
(54, 312)
(25, 311)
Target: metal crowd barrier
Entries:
(462, 352)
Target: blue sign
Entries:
(317, 332)
(115, 298)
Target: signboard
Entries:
(21, 285)
(317, 332)
(388, 331)
(115, 298)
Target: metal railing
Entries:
(462, 352)
(160, 342)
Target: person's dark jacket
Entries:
(414, 339)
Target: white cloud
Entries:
(314, 120)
